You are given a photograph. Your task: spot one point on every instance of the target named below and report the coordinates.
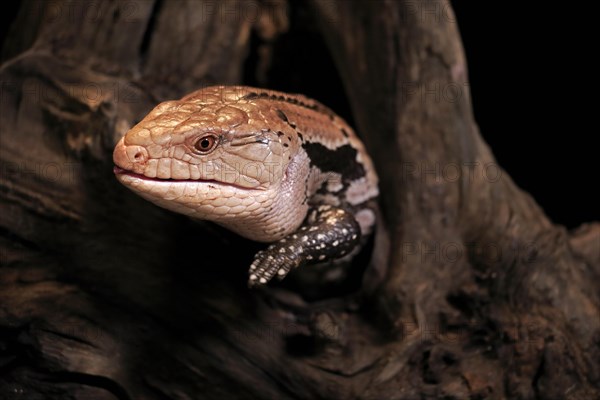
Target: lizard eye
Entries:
(206, 144)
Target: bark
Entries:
(470, 292)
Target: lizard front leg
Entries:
(328, 233)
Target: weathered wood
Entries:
(471, 292)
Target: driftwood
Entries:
(470, 291)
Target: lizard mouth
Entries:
(123, 173)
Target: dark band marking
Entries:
(345, 133)
(341, 160)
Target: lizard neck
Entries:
(282, 212)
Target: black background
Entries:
(533, 88)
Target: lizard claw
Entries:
(268, 264)
(262, 269)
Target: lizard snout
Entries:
(130, 157)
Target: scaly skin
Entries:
(270, 166)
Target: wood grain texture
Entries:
(471, 291)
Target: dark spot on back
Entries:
(282, 115)
(300, 136)
(250, 96)
(345, 133)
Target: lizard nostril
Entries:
(137, 154)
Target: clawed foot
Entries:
(328, 234)
(269, 263)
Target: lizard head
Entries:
(211, 155)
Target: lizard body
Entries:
(270, 166)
